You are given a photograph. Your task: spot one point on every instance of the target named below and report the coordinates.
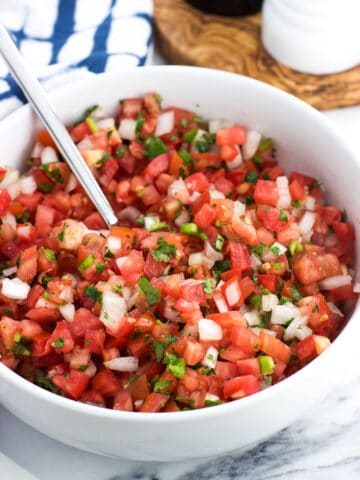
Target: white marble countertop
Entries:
(323, 445)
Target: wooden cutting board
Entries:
(187, 36)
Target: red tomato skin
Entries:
(74, 385)
(266, 192)
(240, 387)
(4, 201)
(232, 135)
(205, 216)
(239, 256)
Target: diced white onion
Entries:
(127, 129)
(15, 288)
(255, 262)
(215, 194)
(91, 370)
(85, 144)
(196, 258)
(48, 155)
(129, 213)
(209, 330)
(211, 397)
(233, 293)
(150, 221)
(269, 302)
(212, 254)
(307, 222)
(278, 248)
(178, 189)
(210, 357)
(199, 136)
(10, 219)
(183, 217)
(282, 184)
(164, 123)
(36, 152)
(335, 282)
(67, 311)
(335, 309)
(67, 294)
(297, 329)
(71, 184)
(113, 243)
(14, 190)
(120, 261)
(257, 331)
(170, 313)
(123, 364)
(220, 302)
(217, 124)
(239, 208)
(310, 203)
(106, 123)
(238, 160)
(252, 318)
(251, 144)
(11, 176)
(130, 295)
(9, 271)
(113, 310)
(27, 185)
(281, 314)
(194, 196)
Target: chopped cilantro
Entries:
(265, 145)
(45, 187)
(251, 176)
(158, 98)
(212, 403)
(139, 123)
(256, 300)
(282, 215)
(160, 347)
(164, 251)
(161, 385)
(190, 135)
(61, 235)
(100, 267)
(103, 159)
(120, 152)
(259, 249)
(183, 122)
(20, 349)
(92, 292)
(185, 156)
(47, 384)
(208, 286)
(277, 265)
(154, 147)
(88, 341)
(296, 203)
(275, 250)
(205, 142)
(175, 365)
(295, 294)
(219, 267)
(108, 253)
(249, 201)
(284, 300)
(152, 294)
(58, 343)
(82, 368)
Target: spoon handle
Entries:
(37, 97)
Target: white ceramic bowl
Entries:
(305, 141)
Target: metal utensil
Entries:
(38, 99)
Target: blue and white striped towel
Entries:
(64, 40)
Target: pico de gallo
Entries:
(224, 276)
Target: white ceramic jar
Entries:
(318, 37)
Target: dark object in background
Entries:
(228, 7)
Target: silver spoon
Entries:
(37, 97)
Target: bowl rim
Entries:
(17, 381)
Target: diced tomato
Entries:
(297, 190)
(315, 309)
(4, 201)
(274, 347)
(197, 182)
(266, 192)
(240, 387)
(106, 383)
(308, 269)
(245, 339)
(205, 216)
(228, 320)
(28, 264)
(248, 366)
(303, 180)
(123, 401)
(73, 384)
(156, 166)
(232, 135)
(269, 281)
(271, 218)
(226, 370)
(94, 340)
(245, 230)
(154, 402)
(194, 352)
(61, 339)
(311, 346)
(239, 256)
